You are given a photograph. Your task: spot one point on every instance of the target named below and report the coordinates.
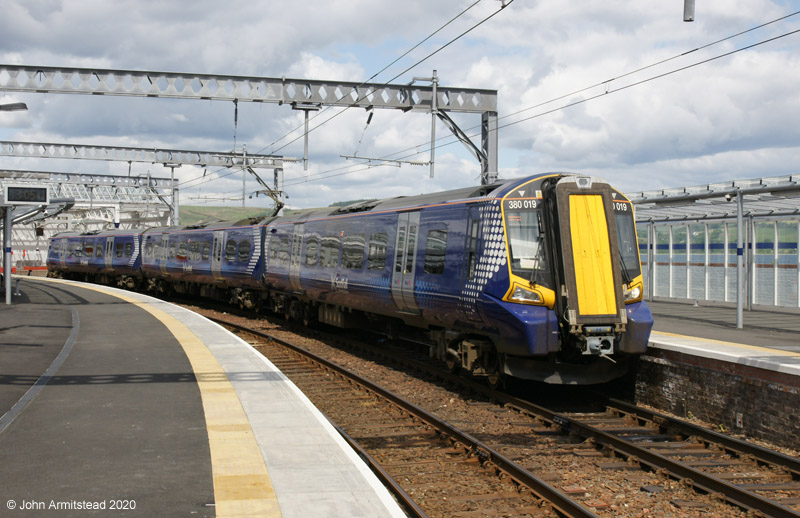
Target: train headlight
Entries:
(633, 293)
(525, 296)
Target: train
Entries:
(536, 278)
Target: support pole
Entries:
(434, 111)
(739, 262)
(651, 258)
(7, 255)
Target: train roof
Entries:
(102, 232)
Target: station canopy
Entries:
(777, 196)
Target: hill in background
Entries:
(192, 214)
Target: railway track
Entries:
(433, 467)
(672, 465)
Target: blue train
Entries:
(536, 278)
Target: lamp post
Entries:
(11, 107)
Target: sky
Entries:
(604, 88)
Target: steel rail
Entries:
(742, 448)
(733, 494)
(559, 500)
(408, 502)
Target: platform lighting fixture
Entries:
(688, 10)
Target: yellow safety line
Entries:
(242, 486)
(778, 352)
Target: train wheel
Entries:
(496, 381)
(453, 365)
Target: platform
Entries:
(770, 340)
(113, 398)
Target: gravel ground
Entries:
(607, 485)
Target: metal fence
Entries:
(697, 261)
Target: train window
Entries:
(98, 251)
(156, 250)
(472, 251)
(206, 250)
(89, 248)
(172, 248)
(283, 251)
(401, 240)
(194, 250)
(376, 259)
(435, 251)
(329, 252)
(118, 250)
(412, 243)
(182, 252)
(312, 251)
(128, 249)
(244, 251)
(353, 251)
(230, 250)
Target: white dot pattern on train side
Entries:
(492, 256)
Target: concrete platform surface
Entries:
(770, 340)
(111, 397)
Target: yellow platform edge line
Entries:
(773, 352)
(242, 486)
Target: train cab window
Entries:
(526, 246)
(329, 252)
(353, 251)
(376, 258)
(312, 251)
(244, 251)
(206, 250)
(230, 251)
(626, 238)
(435, 251)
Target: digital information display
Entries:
(25, 195)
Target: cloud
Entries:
(730, 118)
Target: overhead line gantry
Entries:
(303, 94)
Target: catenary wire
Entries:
(324, 174)
(464, 11)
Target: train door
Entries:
(108, 253)
(590, 251)
(62, 253)
(405, 262)
(216, 254)
(470, 285)
(164, 250)
(294, 259)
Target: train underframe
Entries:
(457, 349)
